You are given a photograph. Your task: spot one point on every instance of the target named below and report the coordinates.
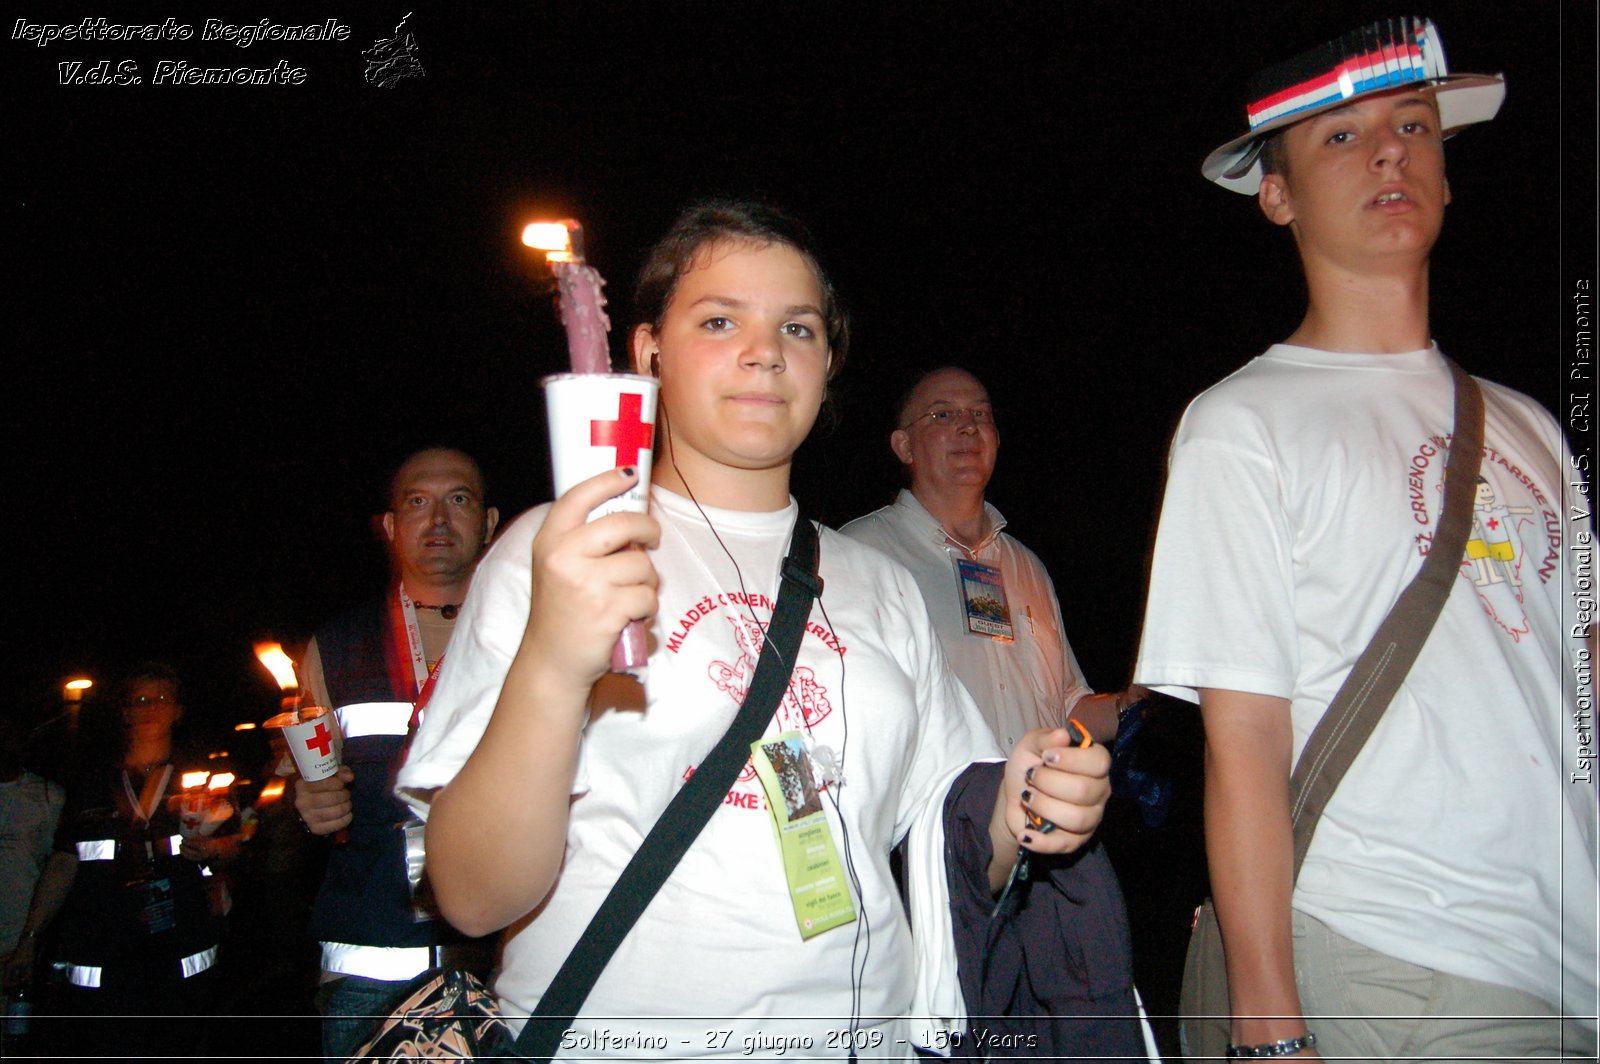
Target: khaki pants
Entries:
(1364, 1005)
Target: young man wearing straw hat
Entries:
(1446, 906)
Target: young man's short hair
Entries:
(1275, 154)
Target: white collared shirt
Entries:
(1031, 682)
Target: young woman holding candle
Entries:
(539, 772)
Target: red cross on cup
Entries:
(579, 413)
(321, 740)
(313, 740)
(629, 433)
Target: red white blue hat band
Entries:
(1380, 57)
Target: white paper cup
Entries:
(314, 743)
(192, 809)
(601, 421)
(202, 814)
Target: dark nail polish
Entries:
(626, 471)
(1027, 796)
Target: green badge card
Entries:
(819, 891)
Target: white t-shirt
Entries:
(1026, 682)
(30, 809)
(718, 949)
(1302, 494)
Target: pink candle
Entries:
(587, 325)
(580, 299)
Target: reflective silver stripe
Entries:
(374, 718)
(196, 963)
(390, 963)
(416, 852)
(97, 850)
(106, 849)
(87, 975)
(83, 975)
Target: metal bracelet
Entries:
(1281, 1048)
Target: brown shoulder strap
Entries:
(1378, 673)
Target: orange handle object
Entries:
(1081, 739)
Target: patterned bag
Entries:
(447, 1014)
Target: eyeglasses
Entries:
(951, 415)
(141, 701)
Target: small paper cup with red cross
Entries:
(314, 740)
(601, 421)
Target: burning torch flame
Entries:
(191, 780)
(220, 782)
(277, 662)
(558, 240)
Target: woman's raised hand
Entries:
(589, 580)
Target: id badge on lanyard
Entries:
(153, 900)
(151, 895)
(136, 859)
(413, 640)
(818, 887)
(983, 601)
(423, 907)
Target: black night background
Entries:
(230, 308)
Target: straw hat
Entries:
(1378, 57)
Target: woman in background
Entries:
(539, 772)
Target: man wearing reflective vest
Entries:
(137, 935)
(370, 665)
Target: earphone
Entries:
(861, 949)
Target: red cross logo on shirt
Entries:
(1494, 523)
(321, 741)
(628, 434)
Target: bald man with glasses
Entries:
(996, 614)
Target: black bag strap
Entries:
(1353, 714)
(680, 824)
